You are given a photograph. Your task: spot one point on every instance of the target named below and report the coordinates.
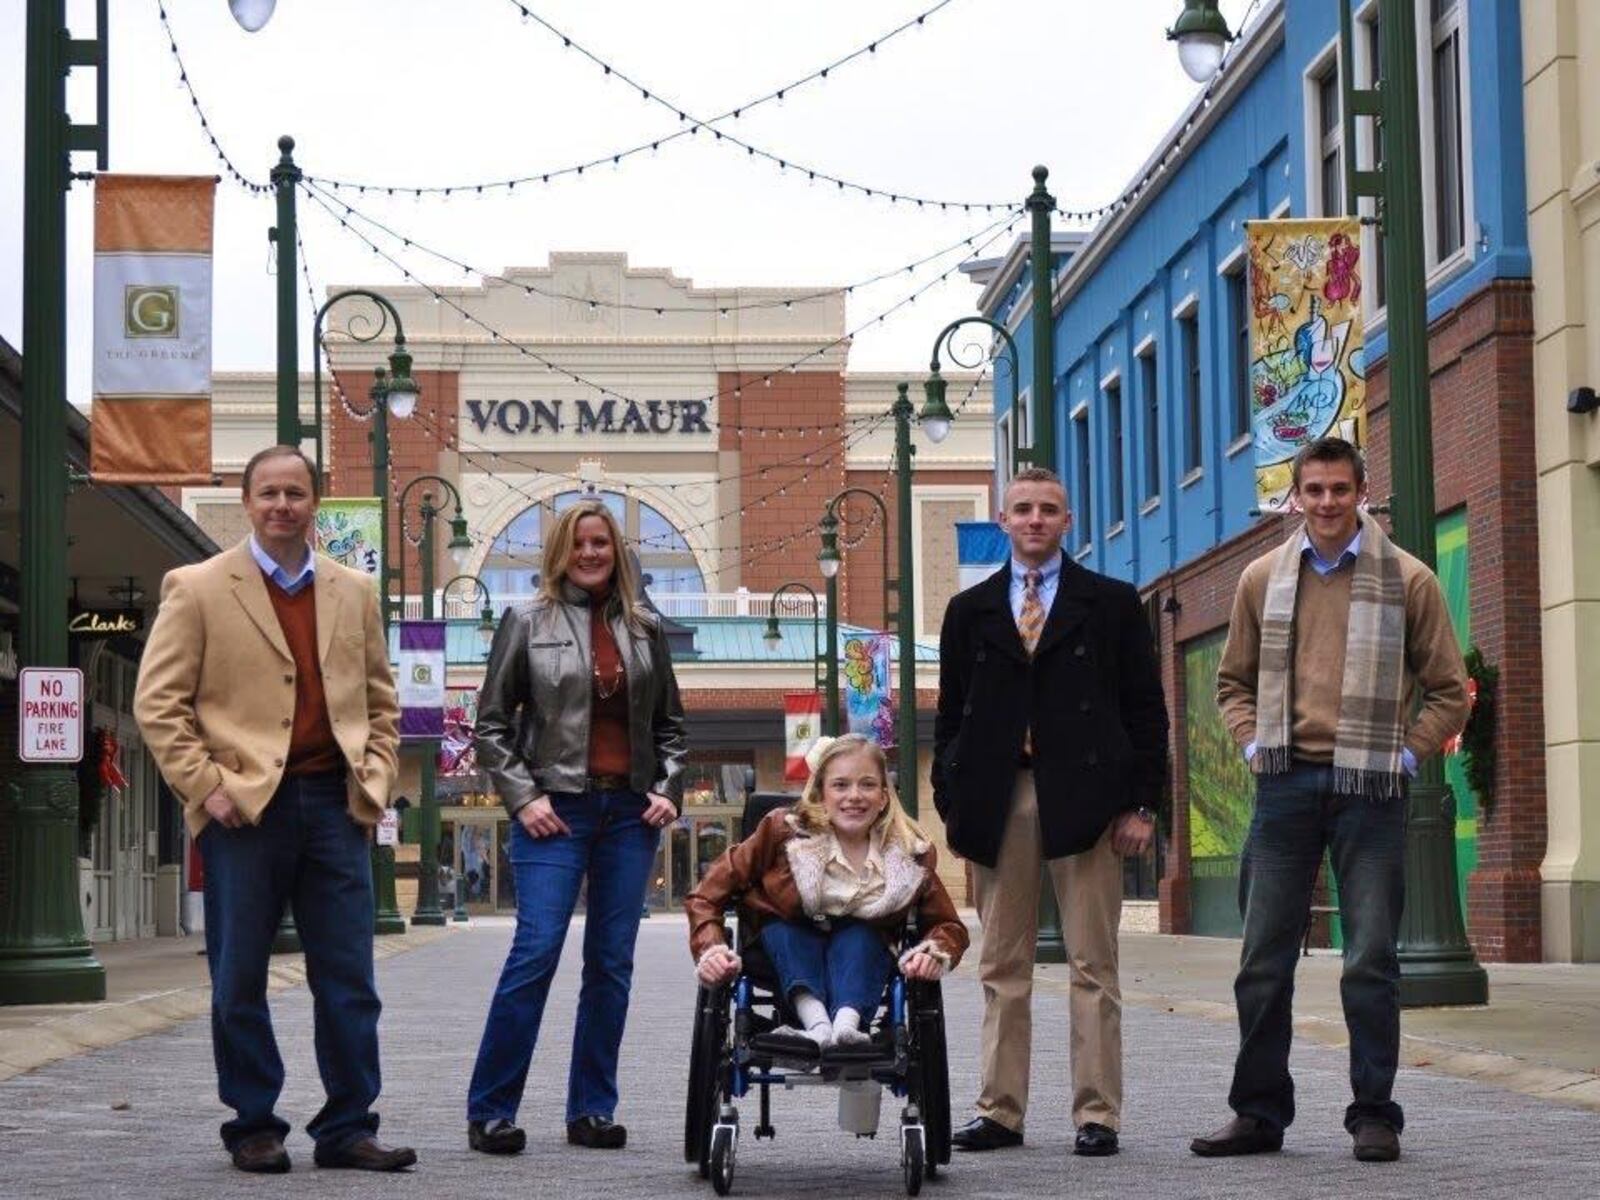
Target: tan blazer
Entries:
(215, 699)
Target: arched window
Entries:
(668, 563)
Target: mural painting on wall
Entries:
(1307, 355)
(869, 709)
(1221, 795)
(456, 753)
(349, 530)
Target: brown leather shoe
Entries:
(1242, 1135)
(1376, 1141)
(261, 1154)
(368, 1154)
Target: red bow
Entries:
(110, 770)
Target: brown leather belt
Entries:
(608, 783)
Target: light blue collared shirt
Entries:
(1049, 580)
(1322, 566)
(290, 584)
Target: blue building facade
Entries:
(1150, 330)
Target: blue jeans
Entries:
(1298, 816)
(845, 967)
(611, 847)
(309, 852)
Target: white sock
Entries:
(813, 1015)
(847, 1029)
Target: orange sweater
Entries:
(312, 747)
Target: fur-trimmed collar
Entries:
(807, 853)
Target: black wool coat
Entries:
(1091, 694)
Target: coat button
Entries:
(286, 722)
(288, 678)
(277, 762)
(980, 655)
(1084, 706)
(966, 710)
(1080, 650)
(1091, 758)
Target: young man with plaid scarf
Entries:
(1340, 675)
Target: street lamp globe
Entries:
(251, 14)
(936, 415)
(1202, 35)
(402, 398)
(772, 637)
(460, 544)
(486, 625)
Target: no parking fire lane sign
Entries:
(50, 715)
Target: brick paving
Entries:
(138, 1119)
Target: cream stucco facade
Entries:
(1561, 72)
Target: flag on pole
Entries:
(152, 329)
(1308, 362)
(981, 548)
(421, 680)
(802, 725)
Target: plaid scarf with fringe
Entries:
(1371, 728)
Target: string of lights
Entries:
(234, 173)
(722, 309)
(736, 390)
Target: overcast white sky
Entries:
(451, 91)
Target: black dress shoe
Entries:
(1376, 1141)
(367, 1154)
(597, 1133)
(1242, 1135)
(261, 1154)
(981, 1133)
(1095, 1140)
(498, 1136)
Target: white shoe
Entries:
(851, 1037)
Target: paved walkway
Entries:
(138, 1118)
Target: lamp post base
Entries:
(428, 917)
(1437, 965)
(1431, 985)
(1048, 945)
(386, 914)
(287, 939)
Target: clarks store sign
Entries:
(105, 622)
(590, 417)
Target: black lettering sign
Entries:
(693, 413)
(512, 416)
(633, 420)
(591, 418)
(547, 414)
(482, 412)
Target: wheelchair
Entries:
(730, 1054)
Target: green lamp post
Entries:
(486, 628)
(774, 636)
(393, 392)
(460, 547)
(44, 956)
(829, 562)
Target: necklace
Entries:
(601, 691)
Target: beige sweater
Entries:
(1435, 670)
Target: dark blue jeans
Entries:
(847, 966)
(611, 847)
(309, 852)
(1297, 817)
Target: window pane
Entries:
(1447, 145)
(1085, 516)
(1239, 322)
(1443, 8)
(1115, 451)
(1189, 329)
(658, 533)
(1328, 102)
(1149, 402)
(1332, 184)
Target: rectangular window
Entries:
(1448, 185)
(1189, 345)
(1331, 144)
(1083, 461)
(1239, 328)
(1114, 450)
(1003, 460)
(1150, 405)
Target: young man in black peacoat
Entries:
(1054, 757)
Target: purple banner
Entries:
(420, 679)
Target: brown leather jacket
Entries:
(778, 868)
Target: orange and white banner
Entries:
(152, 329)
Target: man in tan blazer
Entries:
(265, 695)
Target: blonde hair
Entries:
(811, 811)
(558, 550)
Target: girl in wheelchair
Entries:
(828, 886)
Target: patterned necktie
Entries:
(1030, 625)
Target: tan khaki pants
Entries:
(1088, 889)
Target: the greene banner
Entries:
(1307, 357)
(420, 677)
(152, 329)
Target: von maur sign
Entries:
(599, 417)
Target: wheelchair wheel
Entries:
(724, 1149)
(913, 1157)
(931, 1077)
(705, 1074)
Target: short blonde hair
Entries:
(812, 811)
(558, 558)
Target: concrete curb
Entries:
(100, 1025)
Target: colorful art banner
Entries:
(1307, 356)
(869, 709)
(151, 421)
(420, 677)
(349, 530)
(457, 755)
(802, 725)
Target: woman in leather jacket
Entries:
(581, 729)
